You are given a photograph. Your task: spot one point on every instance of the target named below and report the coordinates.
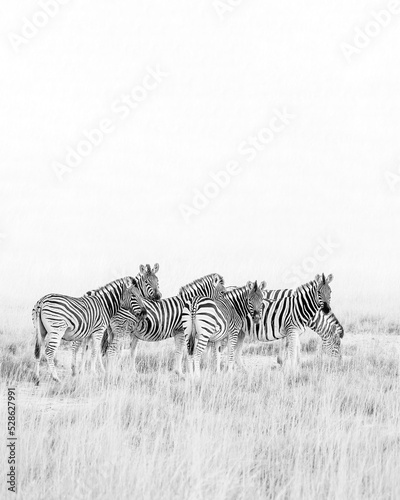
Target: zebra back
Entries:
(207, 286)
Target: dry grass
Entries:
(331, 430)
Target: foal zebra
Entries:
(147, 284)
(223, 317)
(288, 315)
(327, 326)
(71, 318)
(163, 320)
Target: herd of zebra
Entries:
(204, 312)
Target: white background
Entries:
(323, 176)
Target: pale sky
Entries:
(203, 85)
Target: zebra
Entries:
(76, 318)
(163, 320)
(147, 284)
(286, 316)
(331, 332)
(206, 319)
(328, 327)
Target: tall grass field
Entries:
(330, 430)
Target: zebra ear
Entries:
(317, 278)
(142, 269)
(156, 268)
(262, 286)
(329, 278)
(249, 285)
(216, 280)
(128, 282)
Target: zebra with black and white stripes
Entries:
(78, 318)
(328, 327)
(148, 286)
(163, 319)
(289, 315)
(212, 320)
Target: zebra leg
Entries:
(84, 344)
(239, 347)
(111, 356)
(233, 338)
(196, 360)
(76, 344)
(96, 355)
(293, 344)
(134, 344)
(50, 351)
(283, 348)
(179, 340)
(217, 351)
(201, 344)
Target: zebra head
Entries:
(219, 286)
(324, 292)
(132, 299)
(327, 326)
(148, 282)
(255, 300)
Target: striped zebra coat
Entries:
(328, 327)
(147, 284)
(163, 319)
(212, 320)
(77, 318)
(289, 315)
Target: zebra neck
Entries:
(305, 302)
(140, 284)
(238, 298)
(196, 291)
(110, 297)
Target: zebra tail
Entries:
(106, 340)
(40, 331)
(192, 335)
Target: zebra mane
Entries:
(305, 286)
(230, 289)
(283, 293)
(192, 286)
(109, 286)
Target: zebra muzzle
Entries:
(326, 309)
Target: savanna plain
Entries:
(331, 429)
